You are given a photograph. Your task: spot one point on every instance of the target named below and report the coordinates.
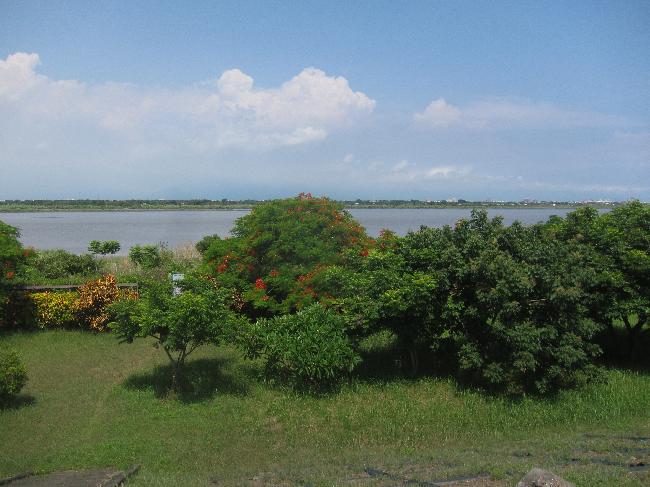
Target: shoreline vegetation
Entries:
(16, 206)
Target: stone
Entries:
(543, 478)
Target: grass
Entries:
(90, 403)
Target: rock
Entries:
(543, 478)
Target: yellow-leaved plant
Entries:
(94, 297)
(55, 309)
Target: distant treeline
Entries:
(226, 204)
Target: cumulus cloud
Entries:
(439, 113)
(510, 113)
(229, 111)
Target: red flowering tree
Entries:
(12, 256)
(275, 250)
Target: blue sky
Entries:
(430, 100)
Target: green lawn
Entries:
(91, 402)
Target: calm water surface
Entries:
(73, 231)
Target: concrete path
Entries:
(104, 477)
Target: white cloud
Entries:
(439, 113)
(510, 113)
(405, 171)
(349, 158)
(17, 74)
(202, 117)
(443, 172)
(401, 165)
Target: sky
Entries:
(367, 99)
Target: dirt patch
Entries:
(383, 478)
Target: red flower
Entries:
(364, 253)
(265, 297)
(222, 267)
(274, 273)
(259, 283)
(10, 275)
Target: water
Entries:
(73, 231)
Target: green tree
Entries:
(379, 291)
(146, 256)
(104, 247)
(179, 324)
(621, 241)
(517, 306)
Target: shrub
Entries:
(146, 256)
(203, 244)
(58, 264)
(308, 349)
(55, 309)
(94, 297)
(515, 305)
(13, 376)
(104, 248)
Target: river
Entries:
(73, 231)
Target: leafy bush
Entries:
(13, 376)
(203, 244)
(378, 291)
(146, 256)
(104, 248)
(55, 309)
(509, 305)
(620, 240)
(308, 349)
(58, 264)
(179, 324)
(85, 308)
(513, 301)
(94, 298)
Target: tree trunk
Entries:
(632, 336)
(415, 361)
(176, 371)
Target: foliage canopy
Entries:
(277, 246)
(180, 324)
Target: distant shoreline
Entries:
(45, 206)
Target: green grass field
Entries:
(91, 402)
